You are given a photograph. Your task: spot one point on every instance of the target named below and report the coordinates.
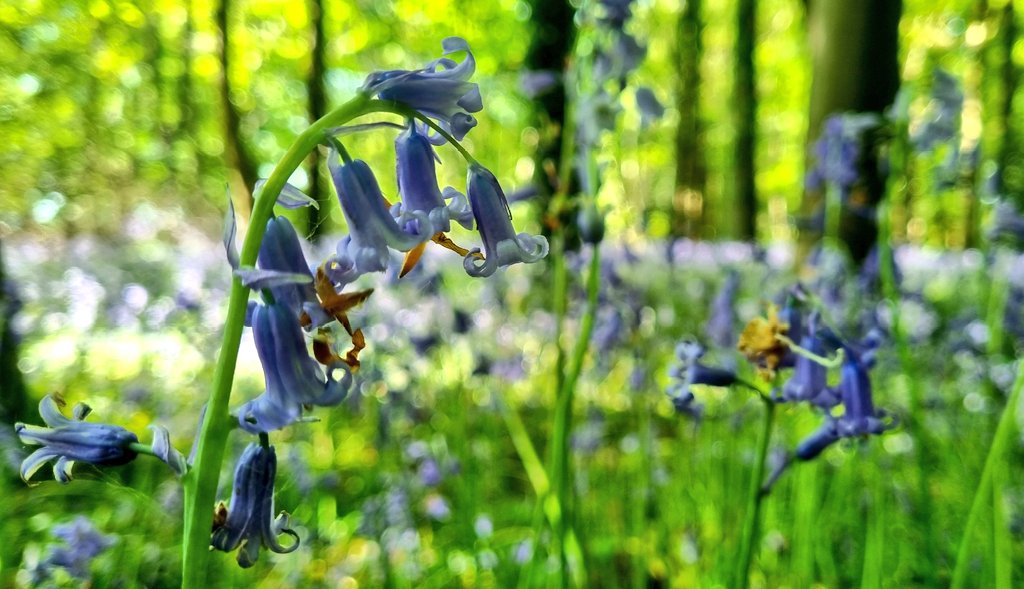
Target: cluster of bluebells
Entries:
(799, 341)
(839, 153)
(300, 325)
(79, 542)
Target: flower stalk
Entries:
(201, 482)
(755, 498)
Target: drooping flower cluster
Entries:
(79, 542)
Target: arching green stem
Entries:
(201, 482)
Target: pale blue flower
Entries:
(250, 522)
(441, 90)
(501, 245)
(73, 440)
(293, 378)
(417, 185)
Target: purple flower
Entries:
(441, 90)
(73, 440)
(721, 326)
(859, 418)
(81, 544)
(372, 230)
(943, 117)
(649, 106)
(250, 520)
(293, 378)
(417, 184)
(690, 371)
(502, 245)
(809, 379)
(283, 271)
(1007, 223)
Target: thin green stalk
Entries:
(560, 471)
(1002, 542)
(1001, 440)
(201, 482)
(755, 498)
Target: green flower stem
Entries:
(560, 471)
(1001, 440)
(201, 482)
(755, 498)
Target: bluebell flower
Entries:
(417, 185)
(809, 381)
(690, 371)
(538, 82)
(1007, 223)
(859, 418)
(942, 124)
(838, 151)
(250, 522)
(283, 270)
(81, 543)
(292, 377)
(615, 13)
(649, 106)
(372, 229)
(501, 245)
(720, 328)
(73, 440)
(441, 90)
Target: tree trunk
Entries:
(317, 92)
(854, 46)
(242, 173)
(1010, 180)
(688, 204)
(553, 34)
(13, 395)
(745, 112)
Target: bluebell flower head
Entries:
(859, 418)
(293, 378)
(501, 245)
(372, 229)
(81, 543)
(721, 325)
(1007, 223)
(809, 379)
(250, 522)
(73, 440)
(942, 123)
(417, 185)
(441, 90)
(690, 371)
(283, 271)
(838, 151)
(649, 106)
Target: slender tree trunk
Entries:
(13, 394)
(317, 92)
(855, 69)
(688, 204)
(745, 113)
(1010, 180)
(185, 131)
(553, 34)
(242, 173)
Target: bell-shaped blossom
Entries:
(283, 270)
(690, 371)
(942, 119)
(73, 440)
(809, 379)
(502, 246)
(293, 378)
(417, 185)
(859, 418)
(441, 90)
(250, 522)
(372, 229)
(721, 325)
(1007, 223)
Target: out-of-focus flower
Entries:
(250, 522)
(809, 379)
(859, 418)
(839, 151)
(73, 440)
(649, 106)
(760, 344)
(1007, 224)
(536, 83)
(372, 230)
(293, 378)
(417, 185)
(441, 90)
(501, 245)
(720, 328)
(942, 122)
(690, 371)
(81, 543)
